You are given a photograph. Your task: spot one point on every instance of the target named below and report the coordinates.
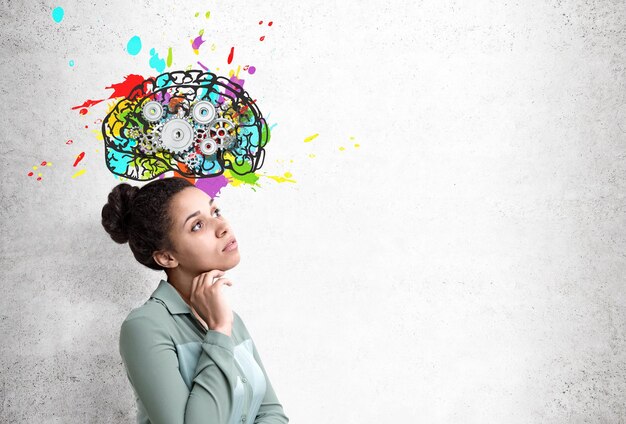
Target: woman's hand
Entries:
(209, 302)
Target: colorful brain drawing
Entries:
(192, 122)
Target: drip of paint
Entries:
(80, 157)
(71, 63)
(230, 56)
(156, 62)
(133, 46)
(203, 67)
(57, 14)
(169, 57)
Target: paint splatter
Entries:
(43, 163)
(203, 67)
(121, 89)
(133, 47)
(80, 157)
(311, 137)
(207, 14)
(230, 56)
(79, 173)
(269, 24)
(69, 141)
(196, 43)
(57, 14)
(169, 57)
(251, 70)
(156, 62)
(71, 62)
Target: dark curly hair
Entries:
(140, 216)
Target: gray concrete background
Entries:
(464, 265)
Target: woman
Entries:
(187, 355)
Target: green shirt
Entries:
(183, 374)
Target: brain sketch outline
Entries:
(194, 122)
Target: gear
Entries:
(208, 146)
(177, 135)
(203, 112)
(149, 141)
(192, 160)
(228, 142)
(152, 111)
(222, 130)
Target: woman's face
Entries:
(199, 234)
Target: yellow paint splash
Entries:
(311, 137)
(279, 179)
(79, 173)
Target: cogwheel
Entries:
(228, 142)
(221, 130)
(208, 146)
(149, 142)
(203, 112)
(192, 160)
(177, 135)
(152, 111)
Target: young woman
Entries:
(187, 355)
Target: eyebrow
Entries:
(196, 213)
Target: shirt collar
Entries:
(168, 294)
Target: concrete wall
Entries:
(464, 264)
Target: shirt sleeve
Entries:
(271, 411)
(151, 363)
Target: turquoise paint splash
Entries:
(71, 63)
(133, 46)
(57, 14)
(156, 62)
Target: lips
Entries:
(229, 244)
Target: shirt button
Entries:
(245, 380)
(243, 419)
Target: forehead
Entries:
(190, 200)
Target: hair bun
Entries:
(114, 212)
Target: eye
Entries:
(217, 211)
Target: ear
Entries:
(165, 259)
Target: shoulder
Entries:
(152, 316)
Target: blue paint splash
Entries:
(133, 46)
(156, 62)
(57, 14)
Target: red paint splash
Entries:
(80, 157)
(120, 89)
(230, 56)
(69, 141)
(262, 38)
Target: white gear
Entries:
(221, 130)
(203, 112)
(152, 111)
(176, 135)
(208, 146)
(192, 160)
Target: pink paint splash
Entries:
(120, 89)
(197, 42)
(212, 186)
